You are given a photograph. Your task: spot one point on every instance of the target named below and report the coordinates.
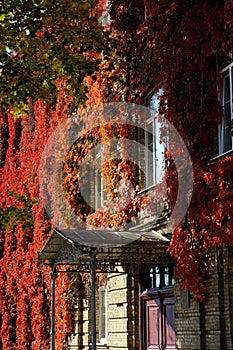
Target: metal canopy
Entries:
(77, 246)
(99, 250)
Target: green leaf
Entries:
(38, 39)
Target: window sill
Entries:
(102, 345)
(221, 155)
(102, 341)
(146, 189)
(149, 188)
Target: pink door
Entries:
(169, 339)
(153, 320)
(160, 323)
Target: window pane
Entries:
(161, 276)
(159, 153)
(102, 313)
(100, 193)
(226, 89)
(150, 156)
(154, 148)
(225, 137)
(166, 276)
(227, 115)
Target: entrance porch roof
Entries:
(110, 247)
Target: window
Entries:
(157, 307)
(103, 315)
(226, 94)
(161, 276)
(157, 277)
(154, 157)
(100, 193)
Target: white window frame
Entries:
(100, 190)
(223, 133)
(154, 172)
(103, 337)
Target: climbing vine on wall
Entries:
(178, 46)
(174, 45)
(25, 285)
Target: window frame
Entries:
(158, 148)
(103, 339)
(222, 137)
(100, 190)
(161, 276)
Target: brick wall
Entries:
(199, 326)
(121, 332)
(208, 325)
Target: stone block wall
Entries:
(121, 309)
(121, 315)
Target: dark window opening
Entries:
(158, 276)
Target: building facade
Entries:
(145, 304)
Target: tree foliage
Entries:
(24, 284)
(15, 214)
(42, 41)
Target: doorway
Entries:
(157, 311)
